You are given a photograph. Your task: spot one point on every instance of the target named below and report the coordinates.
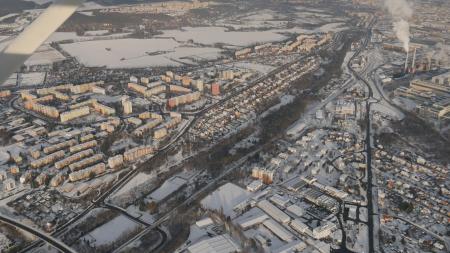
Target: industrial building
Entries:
(253, 221)
(278, 230)
(219, 244)
(273, 211)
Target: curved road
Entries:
(47, 238)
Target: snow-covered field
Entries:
(96, 33)
(388, 110)
(111, 231)
(260, 19)
(26, 79)
(135, 53)
(139, 179)
(213, 34)
(90, 35)
(169, 49)
(33, 78)
(254, 66)
(45, 55)
(269, 19)
(330, 27)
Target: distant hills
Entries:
(17, 6)
(112, 2)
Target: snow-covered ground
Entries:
(87, 13)
(213, 34)
(225, 198)
(386, 109)
(96, 33)
(98, 48)
(284, 100)
(111, 231)
(139, 179)
(26, 79)
(255, 66)
(44, 55)
(143, 215)
(330, 27)
(254, 20)
(33, 78)
(91, 35)
(135, 53)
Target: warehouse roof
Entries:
(218, 244)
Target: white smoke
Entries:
(401, 29)
(401, 12)
(440, 53)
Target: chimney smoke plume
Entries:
(401, 12)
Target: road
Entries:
(101, 199)
(319, 106)
(444, 240)
(47, 238)
(191, 199)
(199, 193)
(370, 196)
(137, 220)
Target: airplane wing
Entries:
(24, 45)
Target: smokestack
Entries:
(429, 63)
(406, 61)
(413, 65)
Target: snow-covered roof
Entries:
(218, 244)
(225, 198)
